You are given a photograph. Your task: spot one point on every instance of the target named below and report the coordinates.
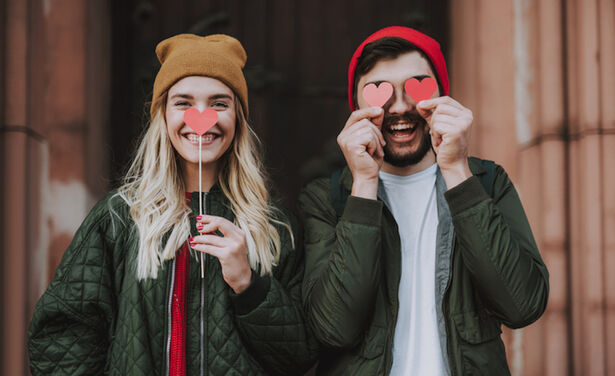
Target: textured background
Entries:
(539, 76)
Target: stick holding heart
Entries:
(200, 123)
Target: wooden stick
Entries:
(201, 204)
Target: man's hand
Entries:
(361, 142)
(450, 125)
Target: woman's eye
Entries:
(182, 104)
(221, 104)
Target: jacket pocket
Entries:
(373, 344)
(480, 347)
(476, 327)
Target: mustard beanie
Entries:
(218, 56)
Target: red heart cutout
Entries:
(377, 95)
(420, 90)
(200, 122)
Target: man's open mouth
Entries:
(401, 130)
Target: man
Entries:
(417, 272)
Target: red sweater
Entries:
(177, 357)
(177, 364)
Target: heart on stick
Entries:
(200, 122)
(377, 95)
(420, 90)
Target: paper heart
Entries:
(200, 122)
(377, 95)
(420, 90)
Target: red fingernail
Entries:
(191, 239)
(198, 217)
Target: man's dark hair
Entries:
(382, 49)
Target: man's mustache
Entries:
(408, 117)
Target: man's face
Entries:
(406, 133)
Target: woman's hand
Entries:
(230, 249)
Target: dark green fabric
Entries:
(339, 194)
(95, 317)
(496, 275)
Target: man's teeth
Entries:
(400, 127)
(206, 138)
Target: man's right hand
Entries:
(361, 142)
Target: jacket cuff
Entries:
(465, 195)
(363, 211)
(251, 297)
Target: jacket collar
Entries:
(215, 202)
(215, 191)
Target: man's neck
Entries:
(428, 160)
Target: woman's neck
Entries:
(209, 175)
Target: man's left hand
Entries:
(450, 125)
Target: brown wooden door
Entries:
(298, 54)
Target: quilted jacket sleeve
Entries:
(269, 313)
(342, 264)
(68, 333)
(498, 248)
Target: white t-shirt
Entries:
(416, 346)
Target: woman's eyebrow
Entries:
(180, 95)
(220, 96)
(213, 97)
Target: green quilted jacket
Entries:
(95, 317)
(488, 273)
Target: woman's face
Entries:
(201, 93)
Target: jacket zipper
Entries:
(202, 324)
(203, 300)
(170, 302)
(388, 358)
(445, 307)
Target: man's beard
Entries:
(404, 159)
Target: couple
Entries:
(413, 255)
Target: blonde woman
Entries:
(133, 294)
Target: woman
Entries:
(129, 297)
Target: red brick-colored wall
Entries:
(541, 78)
(54, 97)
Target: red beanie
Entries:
(427, 45)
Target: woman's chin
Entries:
(207, 159)
(209, 153)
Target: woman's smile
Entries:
(207, 139)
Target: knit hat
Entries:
(218, 56)
(427, 45)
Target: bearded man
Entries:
(416, 254)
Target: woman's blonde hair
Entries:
(154, 190)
